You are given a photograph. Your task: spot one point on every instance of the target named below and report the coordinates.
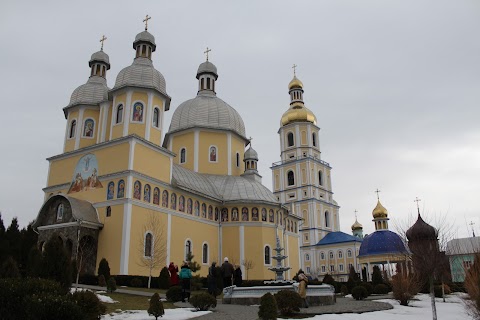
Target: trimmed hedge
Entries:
(174, 294)
(268, 307)
(288, 302)
(381, 289)
(368, 286)
(359, 293)
(203, 301)
(90, 304)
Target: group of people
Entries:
(230, 275)
(185, 275)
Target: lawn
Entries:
(130, 302)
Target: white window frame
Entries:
(322, 255)
(180, 153)
(340, 254)
(216, 152)
(83, 128)
(307, 257)
(270, 250)
(340, 267)
(323, 269)
(115, 123)
(208, 253)
(286, 136)
(349, 253)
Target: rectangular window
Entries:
(341, 267)
(323, 269)
(308, 269)
(332, 268)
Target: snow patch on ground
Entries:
(99, 296)
(170, 314)
(452, 309)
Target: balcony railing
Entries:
(282, 162)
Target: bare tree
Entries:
(86, 252)
(152, 246)
(248, 264)
(472, 284)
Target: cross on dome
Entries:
(418, 206)
(207, 51)
(146, 21)
(377, 192)
(355, 214)
(102, 40)
(294, 69)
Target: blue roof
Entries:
(382, 242)
(337, 237)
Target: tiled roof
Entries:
(337, 237)
(463, 246)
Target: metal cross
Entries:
(207, 51)
(146, 21)
(102, 41)
(377, 192)
(473, 230)
(294, 69)
(250, 139)
(418, 206)
(356, 214)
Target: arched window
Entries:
(121, 189)
(109, 211)
(307, 257)
(146, 193)
(60, 211)
(89, 126)
(320, 178)
(322, 255)
(188, 248)
(183, 155)
(110, 190)
(119, 117)
(290, 139)
(327, 217)
(314, 139)
(267, 255)
(212, 156)
(137, 190)
(156, 117)
(238, 160)
(173, 204)
(73, 127)
(148, 244)
(340, 254)
(349, 253)
(205, 253)
(290, 178)
(331, 254)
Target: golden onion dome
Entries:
(298, 113)
(295, 83)
(356, 225)
(379, 211)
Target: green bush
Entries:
(268, 307)
(164, 279)
(203, 301)
(367, 286)
(196, 283)
(156, 306)
(328, 279)
(359, 293)
(90, 304)
(288, 302)
(101, 281)
(136, 282)
(174, 294)
(9, 268)
(344, 290)
(48, 306)
(381, 289)
(111, 285)
(377, 277)
(104, 268)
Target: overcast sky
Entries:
(395, 86)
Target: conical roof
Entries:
(379, 211)
(356, 225)
(421, 231)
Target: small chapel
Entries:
(125, 182)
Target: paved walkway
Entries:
(343, 305)
(119, 290)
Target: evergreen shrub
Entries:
(101, 281)
(288, 302)
(359, 293)
(268, 307)
(381, 289)
(377, 277)
(164, 278)
(344, 290)
(111, 284)
(49, 306)
(203, 301)
(174, 294)
(367, 286)
(91, 306)
(156, 306)
(328, 279)
(104, 268)
(9, 269)
(136, 282)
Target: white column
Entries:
(196, 150)
(79, 128)
(100, 124)
(229, 150)
(126, 116)
(114, 116)
(241, 241)
(149, 116)
(169, 237)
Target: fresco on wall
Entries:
(111, 190)
(137, 186)
(210, 212)
(235, 214)
(255, 214)
(85, 176)
(156, 196)
(264, 214)
(121, 189)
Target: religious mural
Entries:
(197, 208)
(204, 210)
(88, 128)
(121, 189)
(235, 214)
(146, 193)
(271, 216)
(165, 198)
(85, 176)
(216, 214)
(264, 214)
(181, 204)
(210, 212)
(255, 214)
(137, 112)
(137, 187)
(244, 214)
(174, 201)
(189, 206)
(213, 154)
(110, 190)
(224, 215)
(156, 196)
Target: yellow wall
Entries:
(219, 139)
(184, 141)
(70, 142)
(94, 114)
(151, 163)
(110, 238)
(238, 145)
(117, 129)
(230, 243)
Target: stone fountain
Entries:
(279, 269)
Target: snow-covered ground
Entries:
(102, 298)
(452, 309)
(170, 314)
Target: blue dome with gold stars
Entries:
(382, 242)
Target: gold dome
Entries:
(379, 211)
(298, 113)
(356, 225)
(295, 83)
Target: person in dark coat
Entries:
(212, 279)
(227, 273)
(237, 276)
(185, 276)
(173, 269)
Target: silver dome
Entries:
(144, 36)
(141, 74)
(91, 93)
(207, 67)
(101, 57)
(250, 154)
(207, 111)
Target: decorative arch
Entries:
(322, 255)
(235, 214)
(290, 139)
(255, 214)
(245, 214)
(340, 254)
(119, 114)
(349, 253)
(290, 178)
(111, 190)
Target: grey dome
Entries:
(250, 154)
(207, 67)
(141, 74)
(207, 111)
(144, 36)
(100, 56)
(91, 93)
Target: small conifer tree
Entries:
(101, 281)
(156, 306)
(111, 285)
(268, 307)
(104, 268)
(9, 269)
(376, 276)
(164, 279)
(193, 265)
(328, 279)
